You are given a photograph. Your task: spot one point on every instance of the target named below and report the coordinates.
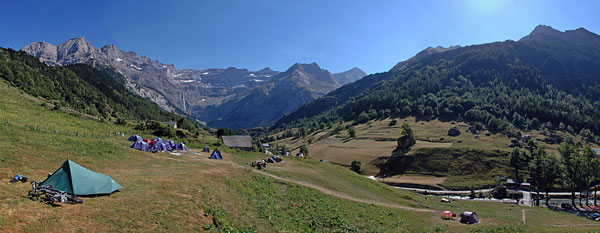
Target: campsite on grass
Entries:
(300, 116)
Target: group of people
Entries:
(260, 164)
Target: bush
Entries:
(515, 195)
(182, 133)
(356, 166)
(304, 150)
(362, 118)
(472, 193)
(165, 131)
(121, 121)
(337, 129)
(141, 126)
(153, 125)
(372, 114)
(499, 192)
(393, 122)
(224, 132)
(351, 132)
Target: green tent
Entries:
(74, 179)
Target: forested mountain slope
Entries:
(95, 90)
(547, 78)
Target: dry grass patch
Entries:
(414, 179)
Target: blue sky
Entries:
(338, 35)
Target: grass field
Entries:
(375, 141)
(190, 193)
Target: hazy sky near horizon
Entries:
(337, 34)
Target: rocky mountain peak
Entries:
(349, 76)
(75, 50)
(43, 50)
(543, 29)
(110, 50)
(308, 74)
(306, 67)
(579, 36)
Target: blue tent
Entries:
(140, 145)
(135, 138)
(181, 146)
(169, 145)
(206, 149)
(157, 139)
(216, 154)
(158, 146)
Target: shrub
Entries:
(499, 192)
(472, 193)
(304, 150)
(356, 166)
(224, 131)
(164, 131)
(141, 126)
(121, 121)
(362, 118)
(351, 132)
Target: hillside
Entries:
(163, 192)
(532, 83)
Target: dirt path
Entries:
(524, 218)
(338, 194)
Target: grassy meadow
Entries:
(191, 193)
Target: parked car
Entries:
(594, 216)
(566, 206)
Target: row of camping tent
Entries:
(156, 144)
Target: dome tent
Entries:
(75, 179)
(181, 146)
(135, 138)
(468, 217)
(140, 145)
(216, 154)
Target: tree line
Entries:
(578, 169)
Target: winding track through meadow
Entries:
(337, 194)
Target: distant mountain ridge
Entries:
(192, 91)
(262, 106)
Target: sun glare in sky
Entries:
(486, 5)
